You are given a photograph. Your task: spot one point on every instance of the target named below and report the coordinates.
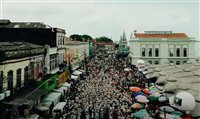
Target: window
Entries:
(178, 63)
(19, 77)
(143, 52)
(178, 52)
(171, 62)
(184, 52)
(25, 75)
(1, 81)
(53, 62)
(184, 62)
(171, 52)
(150, 52)
(156, 62)
(150, 62)
(10, 80)
(156, 52)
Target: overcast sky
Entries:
(107, 18)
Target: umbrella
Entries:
(169, 116)
(153, 88)
(146, 91)
(135, 89)
(156, 94)
(177, 113)
(162, 99)
(152, 98)
(137, 106)
(167, 109)
(137, 93)
(141, 113)
(140, 96)
(142, 100)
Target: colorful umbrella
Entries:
(135, 89)
(169, 116)
(137, 106)
(146, 91)
(140, 96)
(156, 94)
(137, 93)
(141, 113)
(152, 98)
(142, 100)
(177, 113)
(167, 109)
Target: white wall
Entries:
(14, 66)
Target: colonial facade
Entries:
(161, 47)
(19, 63)
(77, 51)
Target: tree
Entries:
(103, 39)
(76, 37)
(86, 37)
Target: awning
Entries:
(83, 71)
(74, 77)
(61, 90)
(43, 107)
(52, 97)
(31, 99)
(76, 72)
(67, 84)
(60, 106)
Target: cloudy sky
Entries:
(107, 18)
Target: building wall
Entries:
(14, 66)
(164, 45)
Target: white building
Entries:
(160, 47)
(80, 50)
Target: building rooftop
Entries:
(8, 24)
(160, 34)
(10, 46)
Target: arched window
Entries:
(150, 62)
(10, 80)
(156, 62)
(150, 52)
(25, 75)
(184, 62)
(1, 81)
(177, 62)
(143, 52)
(178, 52)
(156, 52)
(171, 62)
(171, 52)
(19, 77)
(184, 52)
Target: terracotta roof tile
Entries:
(173, 35)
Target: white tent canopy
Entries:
(61, 89)
(67, 84)
(74, 77)
(76, 72)
(52, 97)
(60, 106)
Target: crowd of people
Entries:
(104, 93)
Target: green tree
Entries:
(103, 39)
(76, 37)
(86, 37)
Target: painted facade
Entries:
(78, 51)
(161, 47)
